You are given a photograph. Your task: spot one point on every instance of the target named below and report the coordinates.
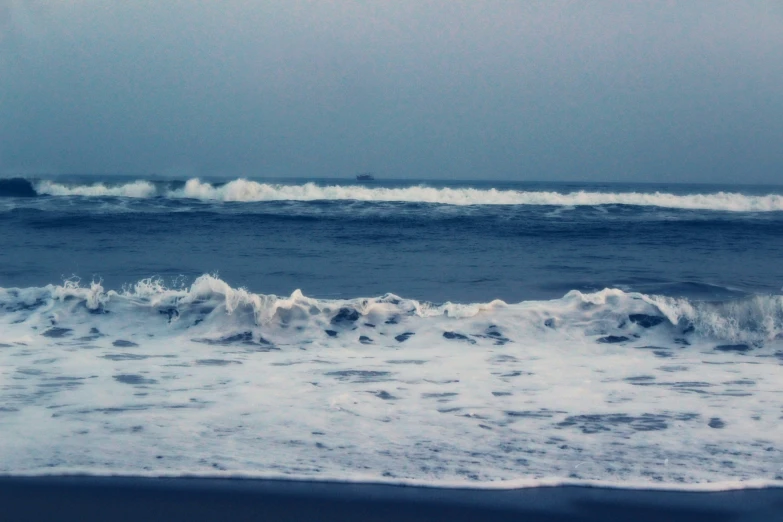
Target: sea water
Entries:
(482, 333)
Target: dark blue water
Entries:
(429, 251)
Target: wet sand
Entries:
(82, 498)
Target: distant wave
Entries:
(242, 190)
(136, 189)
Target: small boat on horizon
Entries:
(365, 176)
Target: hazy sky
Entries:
(637, 91)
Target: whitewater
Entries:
(243, 190)
(609, 387)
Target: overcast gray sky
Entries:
(634, 91)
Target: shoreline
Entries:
(86, 498)
(375, 480)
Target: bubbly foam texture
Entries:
(611, 387)
(243, 190)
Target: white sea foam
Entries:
(614, 387)
(250, 191)
(136, 189)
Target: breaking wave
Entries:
(243, 190)
(608, 386)
(210, 303)
(136, 189)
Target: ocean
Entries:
(482, 334)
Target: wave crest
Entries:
(213, 303)
(243, 190)
(136, 189)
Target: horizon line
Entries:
(147, 176)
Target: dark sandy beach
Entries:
(193, 499)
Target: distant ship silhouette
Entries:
(365, 176)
